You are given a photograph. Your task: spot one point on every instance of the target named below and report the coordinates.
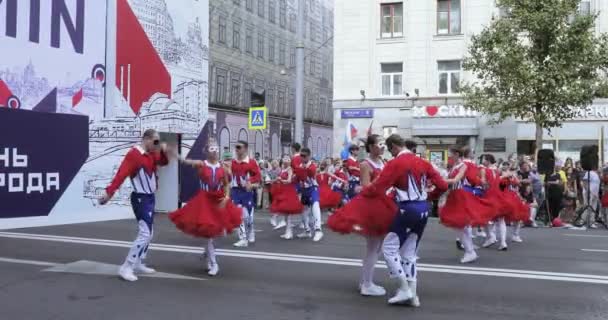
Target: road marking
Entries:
(30, 262)
(594, 250)
(105, 269)
(584, 235)
(467, 270)
(92, 267)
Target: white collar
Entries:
(404, 151)
(467, 160)
(140, 149)
(243, 161)
(352, 158)
(214, 166)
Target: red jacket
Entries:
(245, 171)
(140, 167)
(398, 173)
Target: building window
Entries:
(271, 50)
(388, 131)
(292, 57)
(392, 20)
(249, 41)
(282, 54)
(281, 100)
(249, 5)
(236, 36)
(292, 22)
(392, 79)
(271, 11)
(292, 104)
(261, 8)
(495, 145)
(220, 89)
(260, 45)
(235, 89)
(222, 30)
(449, 77)
(247, 95)
(584, 8)
(282, 13)
(448, 17)
(270, 100)
(236, 2)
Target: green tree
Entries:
(539, 62)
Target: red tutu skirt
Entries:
(202, 216)
(605, 201)
(285, 199)
(462, 208)
(369, 216)
(329, 198)
(502, 208)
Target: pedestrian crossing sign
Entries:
(257, 118)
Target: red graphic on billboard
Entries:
(7, 98)
(140, 72)
(76, 98)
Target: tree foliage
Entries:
(537, 63)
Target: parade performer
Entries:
(490, 177)
(353, 170)
(339, 181)
(285, 197)
(464, 207)
(371, 217)
(309, 190)
(246, 177)
(139, 165)
(409, 175)
(520, 210)
(329, 199)
(210, 213)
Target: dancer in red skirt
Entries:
(330, 199)
(520, 211)
(210, 213)
(491, 177)
(369, 216)
(285, 197)
(464, 207)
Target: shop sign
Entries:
(444, 111)
(593, 112)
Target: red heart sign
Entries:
(432, 110)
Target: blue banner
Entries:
(357, 113)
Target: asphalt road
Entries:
(555, 274)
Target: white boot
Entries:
(469, 257)
(318, 236)
(141, 267)
(280, 224)
(305, 235)
(241, 244)
(126, 272)
(213, 269)
(403, 294)
(273, 220)
(372, 290)
(415, 301)
(288, 233)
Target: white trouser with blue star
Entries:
(400, 245)
(244, 199)
(143, 208)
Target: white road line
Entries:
(30, 262)
(584, 235)
(497, 272)
(594, 250)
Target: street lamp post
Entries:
(299, 125)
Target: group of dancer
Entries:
(386, 203)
